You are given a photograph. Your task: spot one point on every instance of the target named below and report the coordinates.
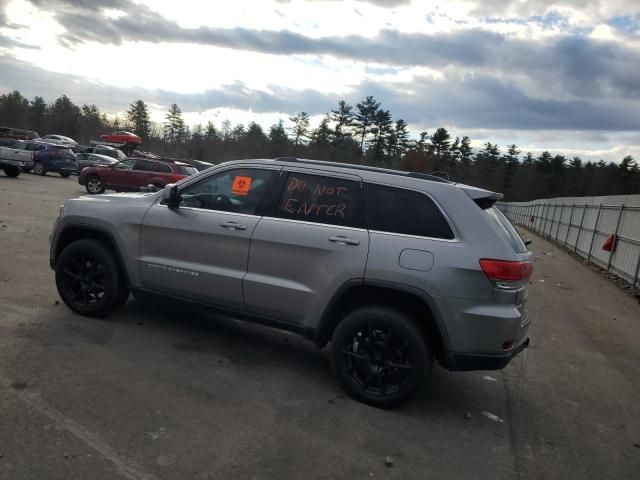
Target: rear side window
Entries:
(505, 227)
(314, 198)
(396, 210)
(162, 167)
(144, 166)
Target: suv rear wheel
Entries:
(379, 356)
(11, 171)
(89, 280)
(39, 169)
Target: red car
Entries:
(132, 174)
(126, 138)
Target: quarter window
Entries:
(240, 190)
(161, 167)
(397, 210)
(313, 198)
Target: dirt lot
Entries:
(163, 391)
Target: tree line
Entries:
(364, 133)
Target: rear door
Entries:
(312, 242)
(200, 249)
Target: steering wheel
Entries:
(224, 203)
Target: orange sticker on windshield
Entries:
(241, 185)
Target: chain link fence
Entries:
(583, 224)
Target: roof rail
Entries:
(368, 168)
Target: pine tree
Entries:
(300, 129)
(441, 141)
(465, 150)
(279, 142)
(174, 127)
(343, 118)
(138, 116)
(365, 117)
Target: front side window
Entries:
(125, 165)
(397, 210)
(318, 199)
(240, 190)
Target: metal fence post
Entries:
(635, 277)
(546, 214)
(559, 222)
(566, 237)
(595, 230)
(584, 211)
(553, 217)
(541, 209)
(613, 250)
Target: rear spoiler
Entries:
(484, 198)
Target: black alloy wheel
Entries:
(379, 356)
(89, 280)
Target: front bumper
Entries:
(470, 361)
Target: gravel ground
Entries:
(168, 391)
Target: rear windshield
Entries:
(186, 170)
(505, 227)
(63, 150)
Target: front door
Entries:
(314, 242)
(119, 175)
(199, 250)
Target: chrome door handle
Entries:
(233, 226)
(344, 240)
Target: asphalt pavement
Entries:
(163, 390)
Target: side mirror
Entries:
(170, 196)
(528, 242)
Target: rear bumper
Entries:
(15, 163)
(470, 361)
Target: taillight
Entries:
(506, 274)
(175, 177)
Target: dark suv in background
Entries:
(48, 157)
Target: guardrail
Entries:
(583, 224)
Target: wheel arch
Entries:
(74, 232)
(410, 300)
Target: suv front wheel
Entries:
(94, 185)
(89, 280)
(379, 356)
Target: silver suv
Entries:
(395, 269)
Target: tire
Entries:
(379, 356)
(11, 171)
(65, 174)
(94, 185)
(89, 280)
(39, 169)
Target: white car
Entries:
(59, 140)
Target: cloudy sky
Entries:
(563, 75)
